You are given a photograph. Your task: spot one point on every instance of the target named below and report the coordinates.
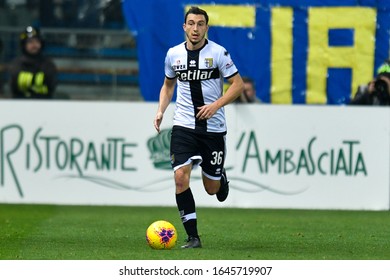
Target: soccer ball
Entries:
(161, 235)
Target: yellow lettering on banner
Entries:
(230, 15)
(281, 62)
(321, 56)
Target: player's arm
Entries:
(166, 94)
(235, 89)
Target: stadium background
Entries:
(102, 58)
(112, 50)
(299, 52)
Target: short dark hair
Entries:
(196, 11)
(248, 80)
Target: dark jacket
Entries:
(33, 77)
(364, 97)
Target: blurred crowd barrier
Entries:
(92, 64)
(95, 53)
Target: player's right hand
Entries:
(157, 121)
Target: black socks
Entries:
(186, 205)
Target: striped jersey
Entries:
(200, 76)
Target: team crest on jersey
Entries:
(208, 62)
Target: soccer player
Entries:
(199, 67)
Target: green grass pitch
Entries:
(52, 232)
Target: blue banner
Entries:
(297, 51)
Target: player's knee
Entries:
(182, 181)
(181, 185)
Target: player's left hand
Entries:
(206, 111)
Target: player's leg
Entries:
(185, 200)
(184, 157)
(186, 205)
(214, 174)
(220, 186)
(223, 191)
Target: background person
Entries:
(32, 75)
(249, 93)
(377, 91)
